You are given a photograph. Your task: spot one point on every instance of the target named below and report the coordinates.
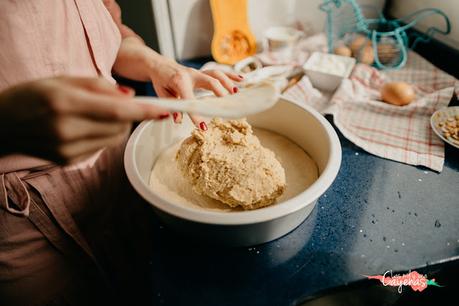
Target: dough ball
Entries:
(228, 163)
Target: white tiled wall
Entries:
(191, 20)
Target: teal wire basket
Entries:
(378, 41)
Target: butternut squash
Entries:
(232, 40)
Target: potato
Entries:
(358, 43)
(366, 55)
(343, 51)
(386, 52)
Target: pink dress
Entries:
(58, 240)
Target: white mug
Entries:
(281, 40)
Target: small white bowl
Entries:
(252, 63)
(301, 124)
(440, 116)
(326, 71)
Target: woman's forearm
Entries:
(136, 61)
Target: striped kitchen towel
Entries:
(398, 133)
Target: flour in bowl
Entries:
(289, 171)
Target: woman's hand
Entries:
(173, 80)
(66, 119)
(170, 79)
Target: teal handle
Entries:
(401, 47)
(363, 25)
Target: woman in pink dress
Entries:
(63, 124)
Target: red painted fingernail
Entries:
(124, 89)
(235, 89)
(203, 126)
(240, 76)
(164, 116)
(175, 115)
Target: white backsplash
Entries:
(192, 29)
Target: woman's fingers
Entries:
(62, 118)
(187, 93)
(182, 83)
(223, 79)
(234, 76)
(102, 86)
(101, 107)
(198, 121)
(166, 93)
(210, 83)
(95, 98)
(216, 81)
(177, 117)
(185, 90)
(70, 128)
(183, 86)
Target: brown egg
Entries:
(366, 55)
(397, 93)
(387, 52)
(343, 51)
(357, 44)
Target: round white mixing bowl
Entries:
(301, 124)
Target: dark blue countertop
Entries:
(378, 215)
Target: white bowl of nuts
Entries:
(445, 123)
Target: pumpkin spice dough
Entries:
(228, 163)
(229, 167)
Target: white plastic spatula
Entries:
(248, 101)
